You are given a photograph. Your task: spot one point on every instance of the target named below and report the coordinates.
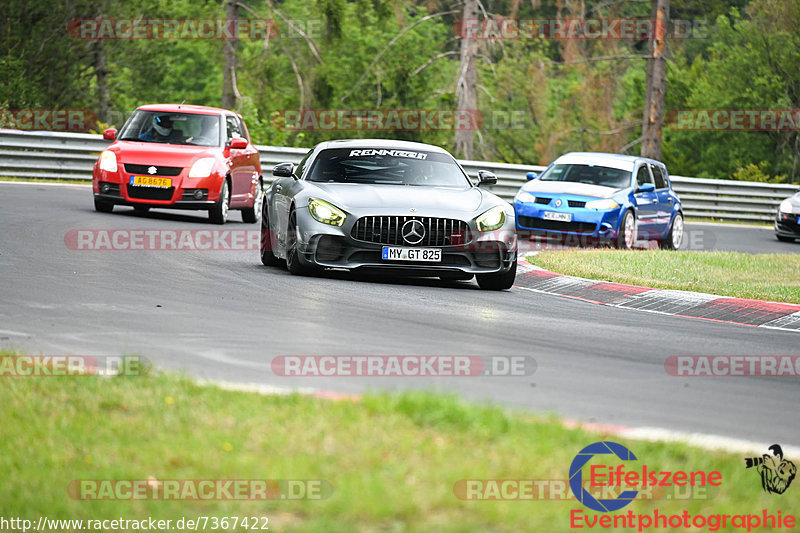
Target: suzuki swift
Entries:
(180, 157)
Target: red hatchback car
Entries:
(180, 157)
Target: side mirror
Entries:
(486, 178)
(284, 170)
(646, 187)
(238, 143)
(110, 134)
(531, 175)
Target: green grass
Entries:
(773, 277)
(392, 460)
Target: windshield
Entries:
(172, 128)
(388, 167)
(591, 174)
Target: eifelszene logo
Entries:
(776, 472)
(617, 478)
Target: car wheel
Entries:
(141, 208)
(267, 257)
(626, 237)
(674, 237)
(784, 239)
(499, 281)
(103, 207)
(294, 261)
(218, 214)
(251, 215)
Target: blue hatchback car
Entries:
(594, 198)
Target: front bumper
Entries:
(184, 192)
(788, 225)
(585, 223)
(334, 247)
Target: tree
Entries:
(653, 119)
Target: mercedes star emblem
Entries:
(413, 232)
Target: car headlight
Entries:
(607, 203)
(325, 212)
(108, 161)
(786, 206)
(492, 219)
(202, 168)
(526, 197)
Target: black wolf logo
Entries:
(776, 472)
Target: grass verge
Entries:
(392, 460)
(761, 277)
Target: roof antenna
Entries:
(179, 105)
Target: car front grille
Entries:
(150, 193)
(556, 225)
(576, 203)
(389, 230)
(160, 170)
(544, 201)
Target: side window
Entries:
(232, 127)
(643, 176)
(658, 175)
(242, 128)
(300, 166)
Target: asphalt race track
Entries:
(222, 315)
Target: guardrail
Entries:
(71, 155)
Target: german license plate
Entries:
(151, 181)
(431, 255)
(561, 217)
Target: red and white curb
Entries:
(757, 313)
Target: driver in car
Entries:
(161, 130)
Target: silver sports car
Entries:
(388, 205)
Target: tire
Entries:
(295, 263)
(218, 214)
(499, 281)
(141, 208)
(102, 206)
(626, 237)
(784, 239)
(267, 257)
(251, 215)
(674, 237)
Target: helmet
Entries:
(162, 124)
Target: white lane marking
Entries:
(257, 388)
(704, 441)
(46, 183)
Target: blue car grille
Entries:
(556, 225)
(388, 230)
